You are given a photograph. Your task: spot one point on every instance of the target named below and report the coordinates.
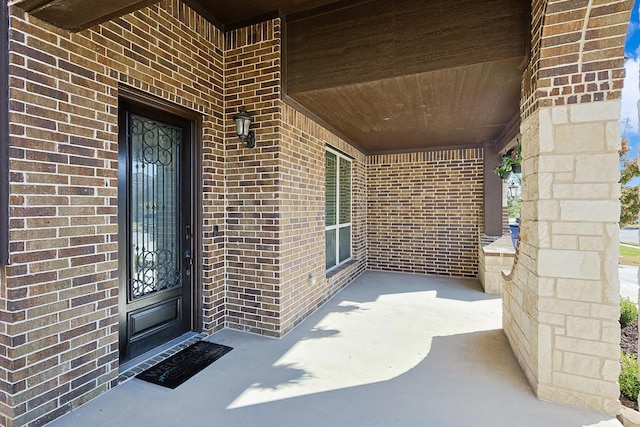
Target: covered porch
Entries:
(389, 349)
(376, 126)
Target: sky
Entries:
(631, 89)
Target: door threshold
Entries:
(136, 365)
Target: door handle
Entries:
(189, 259)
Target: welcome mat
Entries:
(183, 365)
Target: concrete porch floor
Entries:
(389, 350)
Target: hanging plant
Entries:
(509, 160)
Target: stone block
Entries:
(611, 331)
(547, 210)
(579, 364)
(609, 311)
(564, 242)
(560, 115)
(597, 167)
(544, 186)
(579, 290)
(546, 287)
(600, 111)
(569, 264)
(583, 384)
(579, 138)
(555, 163)
(577, 228)
(582, 191)
(582, 327)
(613, 139)
(594, 348)
(542, 236)
(590, 210)
(570, 397)
(552, 318)
(629, 417)
(564, 177)
(568, 308)
(545, 132)
(610, 370)
(588, 243)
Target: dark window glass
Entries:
(330, 188)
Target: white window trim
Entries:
(338, 226)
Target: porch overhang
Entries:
(387, 76)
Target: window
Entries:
(337, 208)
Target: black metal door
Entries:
(155, 202)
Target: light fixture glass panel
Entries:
(240, 126)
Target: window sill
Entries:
(340, 268)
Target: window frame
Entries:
(337, 226)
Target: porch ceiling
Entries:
(387, 75)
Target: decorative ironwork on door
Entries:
(155, 206)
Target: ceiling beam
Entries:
(77, 15)
(509, 137)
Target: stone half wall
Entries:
(560, 303)
(424, 212)
(59, 296)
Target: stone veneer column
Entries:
(561, 301)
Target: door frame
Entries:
(140, 98)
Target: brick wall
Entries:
(529, 95)
(275, 195)
(577, 53)
(424, 211)
(304, 283)
(59, 297)
(252, 73)
(582, 50)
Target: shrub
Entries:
(628, 311)
(514, 205)
(629, 383)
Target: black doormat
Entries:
(183, 365)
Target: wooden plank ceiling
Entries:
(387, 75)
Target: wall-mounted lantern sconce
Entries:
(513, 190)
(243, 120)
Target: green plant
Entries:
(513, 157)
(628, 379)
(514, 205)
(628, 312)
